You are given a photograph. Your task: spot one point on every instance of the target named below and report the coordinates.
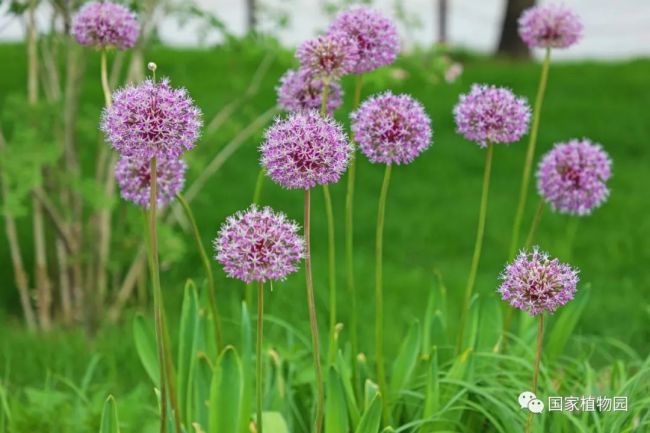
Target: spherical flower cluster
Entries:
(391, 129)
(535, 283)
(133, 176)
(550, 26)
(453, 71)
(151, 119)
(104, 25)
(328, 57)
(490, 114)
(259, 245)
(305, 150)
(375, 35)
(572, 177)
(299, 91)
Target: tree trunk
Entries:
(510, 44)
(442, 12)
(251, 15)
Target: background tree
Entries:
(251, 15)
(510, 43)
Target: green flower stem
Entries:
(349, 234)
(533, 227)
(212, 297)
(538, 357)
(259, 185)
(572, 229)
(331, 245)
(320, 397)
(379, 293)
(529, 242)
(478, 245)
(324, 95)
(258, 358)
(530, 154)
(331, 254)
(257, 193)
(164, 355)
(105, 87)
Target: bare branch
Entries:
(20, 275)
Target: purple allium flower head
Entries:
(305, 150)
(490, 114)
(299, 91)
(375, 35)
(104, 25)
(391, 129)
(329, 56)
(535, 283)
(133, 175)
(259, 245)
(453, 72)
(151, 119)
(572, 177)
(550, 26)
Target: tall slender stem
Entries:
(259, 184)
(538, 357)
(105, 86)
(320, 398)
(258, 358)
(324, 95)
(331, 256)
(331, 245)
(212, 296)
(257, 194)
(529, 242)
(104, 217)
(572, 229)
(478, 245)
(152, 253)
(379, 292)
(530, 154)
(349, 233)
(164, 354)
(533, 227)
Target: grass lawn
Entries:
(431, 212)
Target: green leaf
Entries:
(471, 325)
(109, 423)
(406, 360)
(370, 392)
(273, 423)
(201, 390)
(247, 368)
(145, 345)
(172, 245)
(94, 194)
(491, 325)
(31, 147)
(336, 414)
(346, 379)
(226, 393)
(5, 413)
(564, 326)
(427, 324)
(371, 418)
(432, 392)
(187, 350)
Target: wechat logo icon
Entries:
(528, 400)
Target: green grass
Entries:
(431, 211)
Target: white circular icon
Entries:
(525, 398)
(536, 406)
